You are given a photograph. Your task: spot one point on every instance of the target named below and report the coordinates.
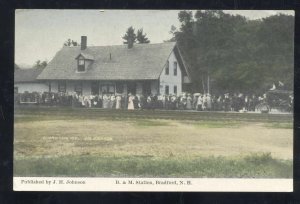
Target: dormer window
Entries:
(83, 61)
(81, 65)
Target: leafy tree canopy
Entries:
(70, 43)
(40, 64)
(238, 55)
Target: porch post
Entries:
(125, 91)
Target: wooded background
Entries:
(238, 54)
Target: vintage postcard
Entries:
(153, 100)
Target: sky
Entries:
(39, 34)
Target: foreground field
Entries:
(66, 142)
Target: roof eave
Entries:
(183, 61)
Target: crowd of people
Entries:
(199, 102)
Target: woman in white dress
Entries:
(130, 102)
(118, 101)
(105, 101)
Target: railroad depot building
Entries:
(25, 80)
(141, 69)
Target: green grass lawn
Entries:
(251, 166)
(102, 143)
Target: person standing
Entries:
(168, 102)
(113, 101)
(219, 103)
(149, 102)
(105, 101)
(118, 101)
(130, 102)
(135, 102)
(160, 101)
(291, 103)
(209, 102)
(199, 103)
(189, 102)
(247, 103)
(204, 102)
(227, 103)
(195, 99)
(142, 102)
(74, 99)
(183, 101)
(154, 102)
(173, 102)
(254, 102)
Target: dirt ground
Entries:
(149, 138)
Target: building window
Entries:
(119, 88)
(167, 68)
(175, 68)
(62, 86)
(166, 89)
(175, 89)
(146, 88)
(81, 65)
(78, 88)
(95, 88)
(131, 88)
(108, 89)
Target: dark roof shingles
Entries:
(143, 61)
(27, 75)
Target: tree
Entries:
(70, 43)
(276, 51)
(129, 37)
(40, 64)
(141, 38)
(172, 31)
(237, 53)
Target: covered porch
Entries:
(86, 88)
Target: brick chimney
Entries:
(83, 42)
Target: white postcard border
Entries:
(151, 184)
